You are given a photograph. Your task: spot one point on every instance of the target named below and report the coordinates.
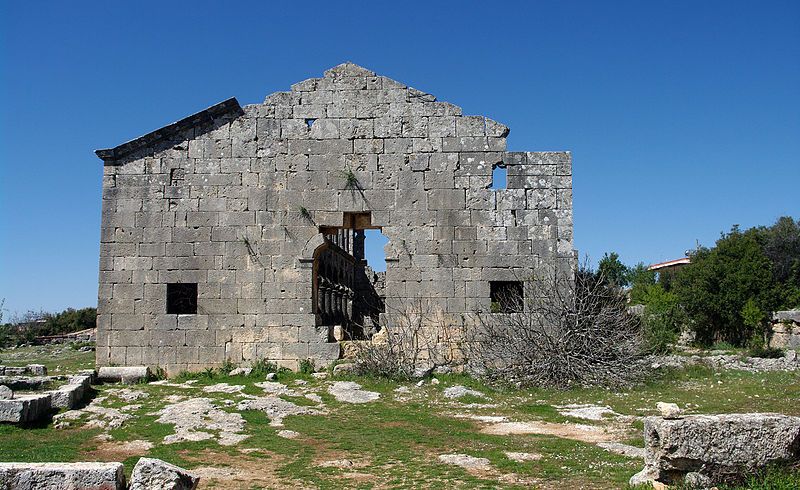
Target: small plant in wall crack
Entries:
(251, 250)
(351, 180)
(305, 214)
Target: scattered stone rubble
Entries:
(586, 411)
(351, 392)
(465, 461)
(196, 418)
(710, 449)
(461, 391)
(789, 362)
(277, 408)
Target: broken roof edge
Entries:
(225, 107)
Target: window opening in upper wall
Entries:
(499, 177)
(374, 241)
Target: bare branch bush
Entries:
(566, 329)
(412, 342)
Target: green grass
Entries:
(58, 358)
(396, 444)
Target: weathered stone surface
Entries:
(720, 447)
(351, 392)
(25, 383)
(71, 394)
(459, 391)
(123, 374)
(235, 200)
(465, 461)
(36, 369)
(25, 408)
(786, 330)
(62, 476)
(6, 393)
(150, 474)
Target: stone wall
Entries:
(785, 330)
(233, 199)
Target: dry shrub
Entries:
(412, 342)
(569, 328)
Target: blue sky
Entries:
(683, 117)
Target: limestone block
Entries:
(324, 353)
(446, 199)
(324, 129)
(62, 476)
(150, 473)
(6, 393)
(72, 394)
(470, 126)
(124, 374)
(720, 447)
(25, 408)
(787, 316)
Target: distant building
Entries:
(670, 265)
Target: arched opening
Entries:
(347, 289)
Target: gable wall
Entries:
(220, 205)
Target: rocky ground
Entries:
(317, 431)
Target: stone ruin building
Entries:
(238, 233)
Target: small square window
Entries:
(182, 299)
(506, 296)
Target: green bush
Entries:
(662, 319)
(262, 367)
(307, 366)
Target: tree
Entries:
(719, 281)
(663, 318)
(612, 270)
(640, 280)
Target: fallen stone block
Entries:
(719, 447)
(72, 394)
(36, 369)
(62, 476)
(89, 372)
(25, 383)
(123, 374)
(25, 408)
(150, 473)
(6, 393)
